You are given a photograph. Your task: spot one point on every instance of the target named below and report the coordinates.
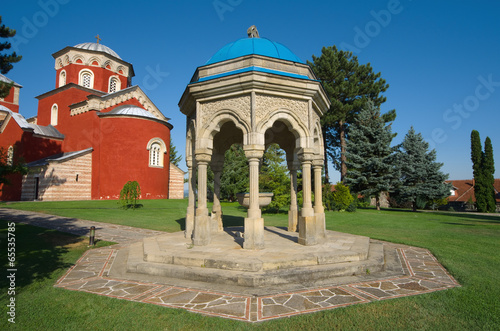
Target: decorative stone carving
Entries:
(266, 105)
(252, 32)
(100, 103)
(239, 105)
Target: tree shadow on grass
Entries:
(230, 220)
(38, 252)
(182, 223)
(493, 219)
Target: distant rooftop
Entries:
(8, 80)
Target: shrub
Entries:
(362, 202)
(129, 195)
(352, 207)
(342, 197)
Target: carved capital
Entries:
(254, 151)
(318, 163)
(306, 155)
(293, 165)
(203, 156)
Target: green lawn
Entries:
(466, 245)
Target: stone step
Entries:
(305, 274)
(172, 249)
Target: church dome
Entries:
(254, 46)
(131, 110)
(98, 47)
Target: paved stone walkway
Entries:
(104, 231)
(423, 274)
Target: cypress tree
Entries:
(369, 154)
(480, 183)
(488, 166)
(420, 175)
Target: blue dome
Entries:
(257, 46)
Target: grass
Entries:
(467, 245)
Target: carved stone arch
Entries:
(93, 59)
(77, 57)
(190, 138)
(318, 139)
(108, 63)
(296, 127)
(122, 68)
(59, 63)
(213, 125)
(66, 59)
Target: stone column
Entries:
(201, 236)
(293, 213)
(216, 217)
(254, 223)
(319, 210)
(190, 214)
(307, 220)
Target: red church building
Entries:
(93, 132)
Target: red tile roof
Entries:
(464, 190)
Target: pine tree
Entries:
(274, 177)
(420, 175)
(175, 158)
(6, 60)
(488, 166)
(235, 173)
(349, 86)
(369, 154)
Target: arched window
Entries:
(154, 155)
(54, 114)
(156, 148)
(62, 78)
(114, 84)
(10, 155)
(86, 78)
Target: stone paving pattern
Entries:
(423, 274)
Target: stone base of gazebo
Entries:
(283, 261)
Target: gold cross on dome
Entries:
(98, 39)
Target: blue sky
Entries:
(441, 59)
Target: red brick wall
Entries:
(176, 183)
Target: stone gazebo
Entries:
(254, 92)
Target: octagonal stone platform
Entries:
(283, 263)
